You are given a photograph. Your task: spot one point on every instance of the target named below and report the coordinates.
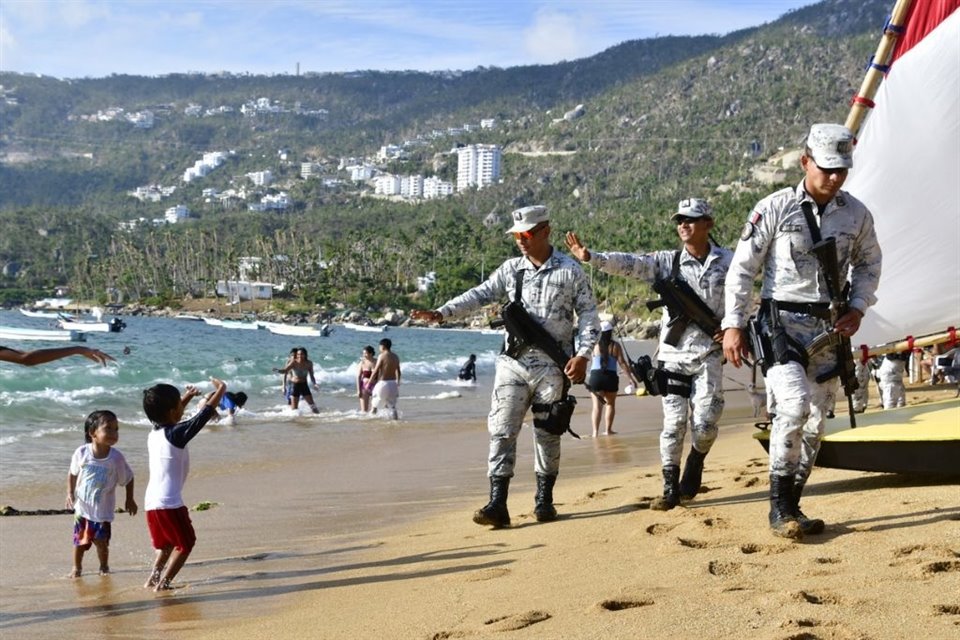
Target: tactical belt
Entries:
(819, 310)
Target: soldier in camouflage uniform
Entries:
(704, 267)
(777, 239)
(557, 294)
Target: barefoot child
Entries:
(171, 531)
(95, 471)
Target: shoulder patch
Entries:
(841, 201)
(747, 232)
(755, 217)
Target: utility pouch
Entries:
(659, 382)
(782, 347)
(646, 373)
(557, 420)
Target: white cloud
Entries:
(553, 36)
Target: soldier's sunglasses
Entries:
(528, 235)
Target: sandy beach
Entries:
(272, 563)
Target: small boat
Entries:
(378, 328)
(116, 325)
(187, 316)
(920, 439)
(54, 335)
(239, 324)
(44, 314)
(292, 329)
(213, 322)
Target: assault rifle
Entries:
(685, 307)
(826, 253)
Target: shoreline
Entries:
(269, 563)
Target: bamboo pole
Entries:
(863, 101)
(903, 345)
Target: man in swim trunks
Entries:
(386, 379)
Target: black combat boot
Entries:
(544, 510)
(495, 512)
(783, 522)
(812, 526)
(692, 474)
(671, 489)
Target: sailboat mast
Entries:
(879, 66)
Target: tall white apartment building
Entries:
(478, 165)
(411, 186)
(434, 187)
(387, 185)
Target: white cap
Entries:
(605, 326)
(831, 146)
(527, 218)
(692, 208)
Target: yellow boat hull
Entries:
(919, 439)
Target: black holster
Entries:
(770, 340)
(658, 381)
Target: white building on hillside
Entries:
(177, 213)
(434, 187)
(387, 185)
(478, 165)
(261, 178)
(411, 186)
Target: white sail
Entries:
(906, 169)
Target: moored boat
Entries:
(116, 325)
(379, 328)
(292, 329)
(55, 335)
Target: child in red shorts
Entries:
(168, 519)
(96, 469)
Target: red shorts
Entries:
(171, 528)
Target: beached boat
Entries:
(920, 439)
(239, 324)
(55, 335)
(906, 142)
(379, 328)
(116, 325)
(292, 329)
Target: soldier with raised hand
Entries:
(689, 355)
(556, 294)
(778, 239)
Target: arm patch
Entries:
(747, 232)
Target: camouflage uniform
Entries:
(861, 397)
(557, 294)
(696, 354)
(892, 391)
(777, 239)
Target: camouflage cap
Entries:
(830, 146)
(527, 218)
(692, 208)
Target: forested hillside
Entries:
(663, 119)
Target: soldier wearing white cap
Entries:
(694, 359)
(776, 242)
(556, 293)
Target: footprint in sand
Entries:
(817, 598)
(446, 635)
(659, 528)
(621, 604)
(946, 609)
(487, 574)
(942, 566)
(517, 621)
(827, 560)
(748, 548)
(693, 544)
(752, 482)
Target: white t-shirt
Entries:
(170, 461)
(97, 480)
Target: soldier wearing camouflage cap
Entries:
(694, 357)
(777, 242)
(556, 293)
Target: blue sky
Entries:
(94, 38)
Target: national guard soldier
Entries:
(782, 237)
(690, 355)
(557, 298)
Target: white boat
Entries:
(379, 328)
(187, 316)
(44, 314)
(50, 335)
(292, 329)
(214, 322)
(116, 325)
(238, 324)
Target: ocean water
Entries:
(42, 409)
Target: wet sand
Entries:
(315, 543)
